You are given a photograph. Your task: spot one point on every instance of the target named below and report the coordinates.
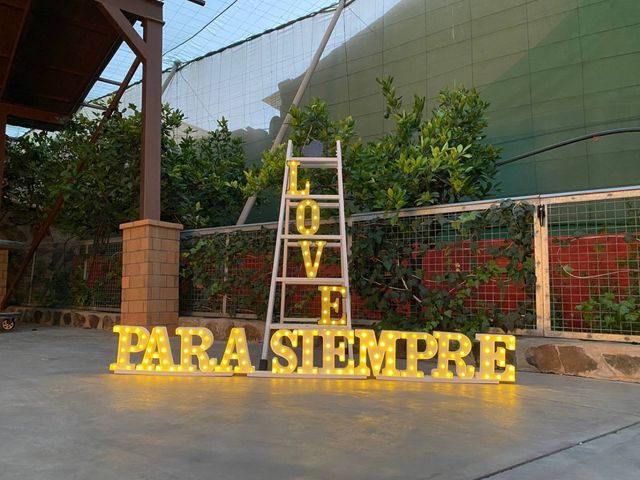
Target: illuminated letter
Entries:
(327, 305)
(413, 354)
(236, 349)
(159, 349)
(489, 356)
(330, 351)
(284, 351)
(376, 351)
(445, 356)
(306, 366)
(293, 180)
(311, 265)
(125, 349)
(301, 213)
(188, 350)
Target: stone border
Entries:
(583, 358)
(72, 317)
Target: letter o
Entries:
(301, 214)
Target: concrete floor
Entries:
(64, 417)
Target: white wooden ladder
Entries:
(292, 198)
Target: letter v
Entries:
(311, 265)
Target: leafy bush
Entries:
(387, 270)
(195, 173)
(425, 161)
(606, 312)
(236, 264)
(312, 122)
(196, 177)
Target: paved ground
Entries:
(63, 417)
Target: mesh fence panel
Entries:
(227, 273)
(72, 275)
(472, 268)
(594, 266)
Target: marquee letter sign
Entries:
(292, 348)
(293, 354)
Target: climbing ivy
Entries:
(236, 265)
(388, 271)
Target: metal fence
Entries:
(554, 265)
(72, 274)
(590, 268)
(455, 265)
(570, 267)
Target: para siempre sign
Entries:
(293, 350)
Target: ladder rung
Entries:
(328, 245)
(312, 197)
(319, 165)
(306, 326)
(311, 281)
(299, 320)
(320, 204)
(314, 159)
(291, 236)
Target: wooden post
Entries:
(3, 150)
(151, 122)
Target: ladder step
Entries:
(306, 320)
(312, 197)
(314, 159)
(306, 326)
(311, 281)
(328, 245)
(319, 165)
(291, 236)
(320, 204)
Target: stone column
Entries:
(150, 270)
(4, 266)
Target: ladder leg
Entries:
(285, 259)
(274, 272)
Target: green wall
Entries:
(552, 69)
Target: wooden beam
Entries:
(3, 150)
(123, 26)
(142, 9)
(151, 123)
(28, 113)
(149, 50)
(14, 48)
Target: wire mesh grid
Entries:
(472, 270)
(594, 266)
(227, 273)
(72, 275)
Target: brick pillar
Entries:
(150, 269)
(4, 266)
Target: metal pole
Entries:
(248, 206)
(170, 76)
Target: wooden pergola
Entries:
(52, 53)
